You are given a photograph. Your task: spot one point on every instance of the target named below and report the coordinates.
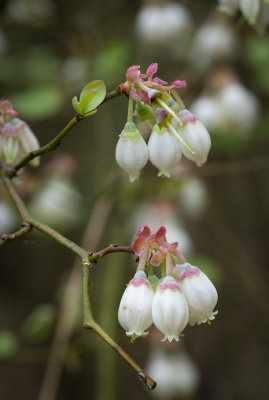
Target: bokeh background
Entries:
(49, 50)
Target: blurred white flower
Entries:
(8, 218)
(57, 203)
(24, 10)
(213, 42)
(175, 372)
(209, 111)
(162, 23)
(240, 106)
(228, 6)
(250, 9)
(194, 197)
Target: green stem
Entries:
(45, 149)
(170, 126)
(171, 112)
(178, 99)
(130, 109)
(86, 301)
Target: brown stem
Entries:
(26, 227)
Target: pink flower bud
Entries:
(169, 309)
(135, 307)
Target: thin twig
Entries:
(26, 227)
(55, 142)
(112, 248)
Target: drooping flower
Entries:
(16, 137)
(200, 293)
(196, 136)
(250, 9)
(135, 307)
(164, 150)
(169, 309)
(131, 151)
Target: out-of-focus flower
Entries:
(135, 307)
(7, 218)
(230, 107)
(57, 202)
(213, 42)
(164, 150)
(239, 104)
(131, 151)
(157, 24)
(170, 312)
(25, 10)
(175, 372)
(228, 6)
(16, 137)
(209, 111)
(193, 197)
(200, 294)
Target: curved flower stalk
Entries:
(200, 293)
(170, 312)
(135, 307)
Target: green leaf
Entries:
(91, 96)
(38, 102)
(8, 344)
(39, 324)
(76, 105)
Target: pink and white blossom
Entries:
(135, 307)
(169, 309)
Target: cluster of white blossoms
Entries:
(183, 295)
(249, 8)
(16, 138)
(175, 130)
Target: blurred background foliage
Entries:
(219, 214)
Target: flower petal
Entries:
(159, 235)
(157, 258)
(138, 245)
(143, 230)
(152, 69)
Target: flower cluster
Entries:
(175, 130)
(16, 138)
(183, 295)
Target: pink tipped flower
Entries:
(170, 312)
(200, 294)
(196, 136)
(135, 307)
(164, 150)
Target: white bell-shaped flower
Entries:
(200, 293)
(250, 9)
(196, 136)
(27, 140)
(131, 151)
(135, 307)
(169, 309)
(164, 150)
